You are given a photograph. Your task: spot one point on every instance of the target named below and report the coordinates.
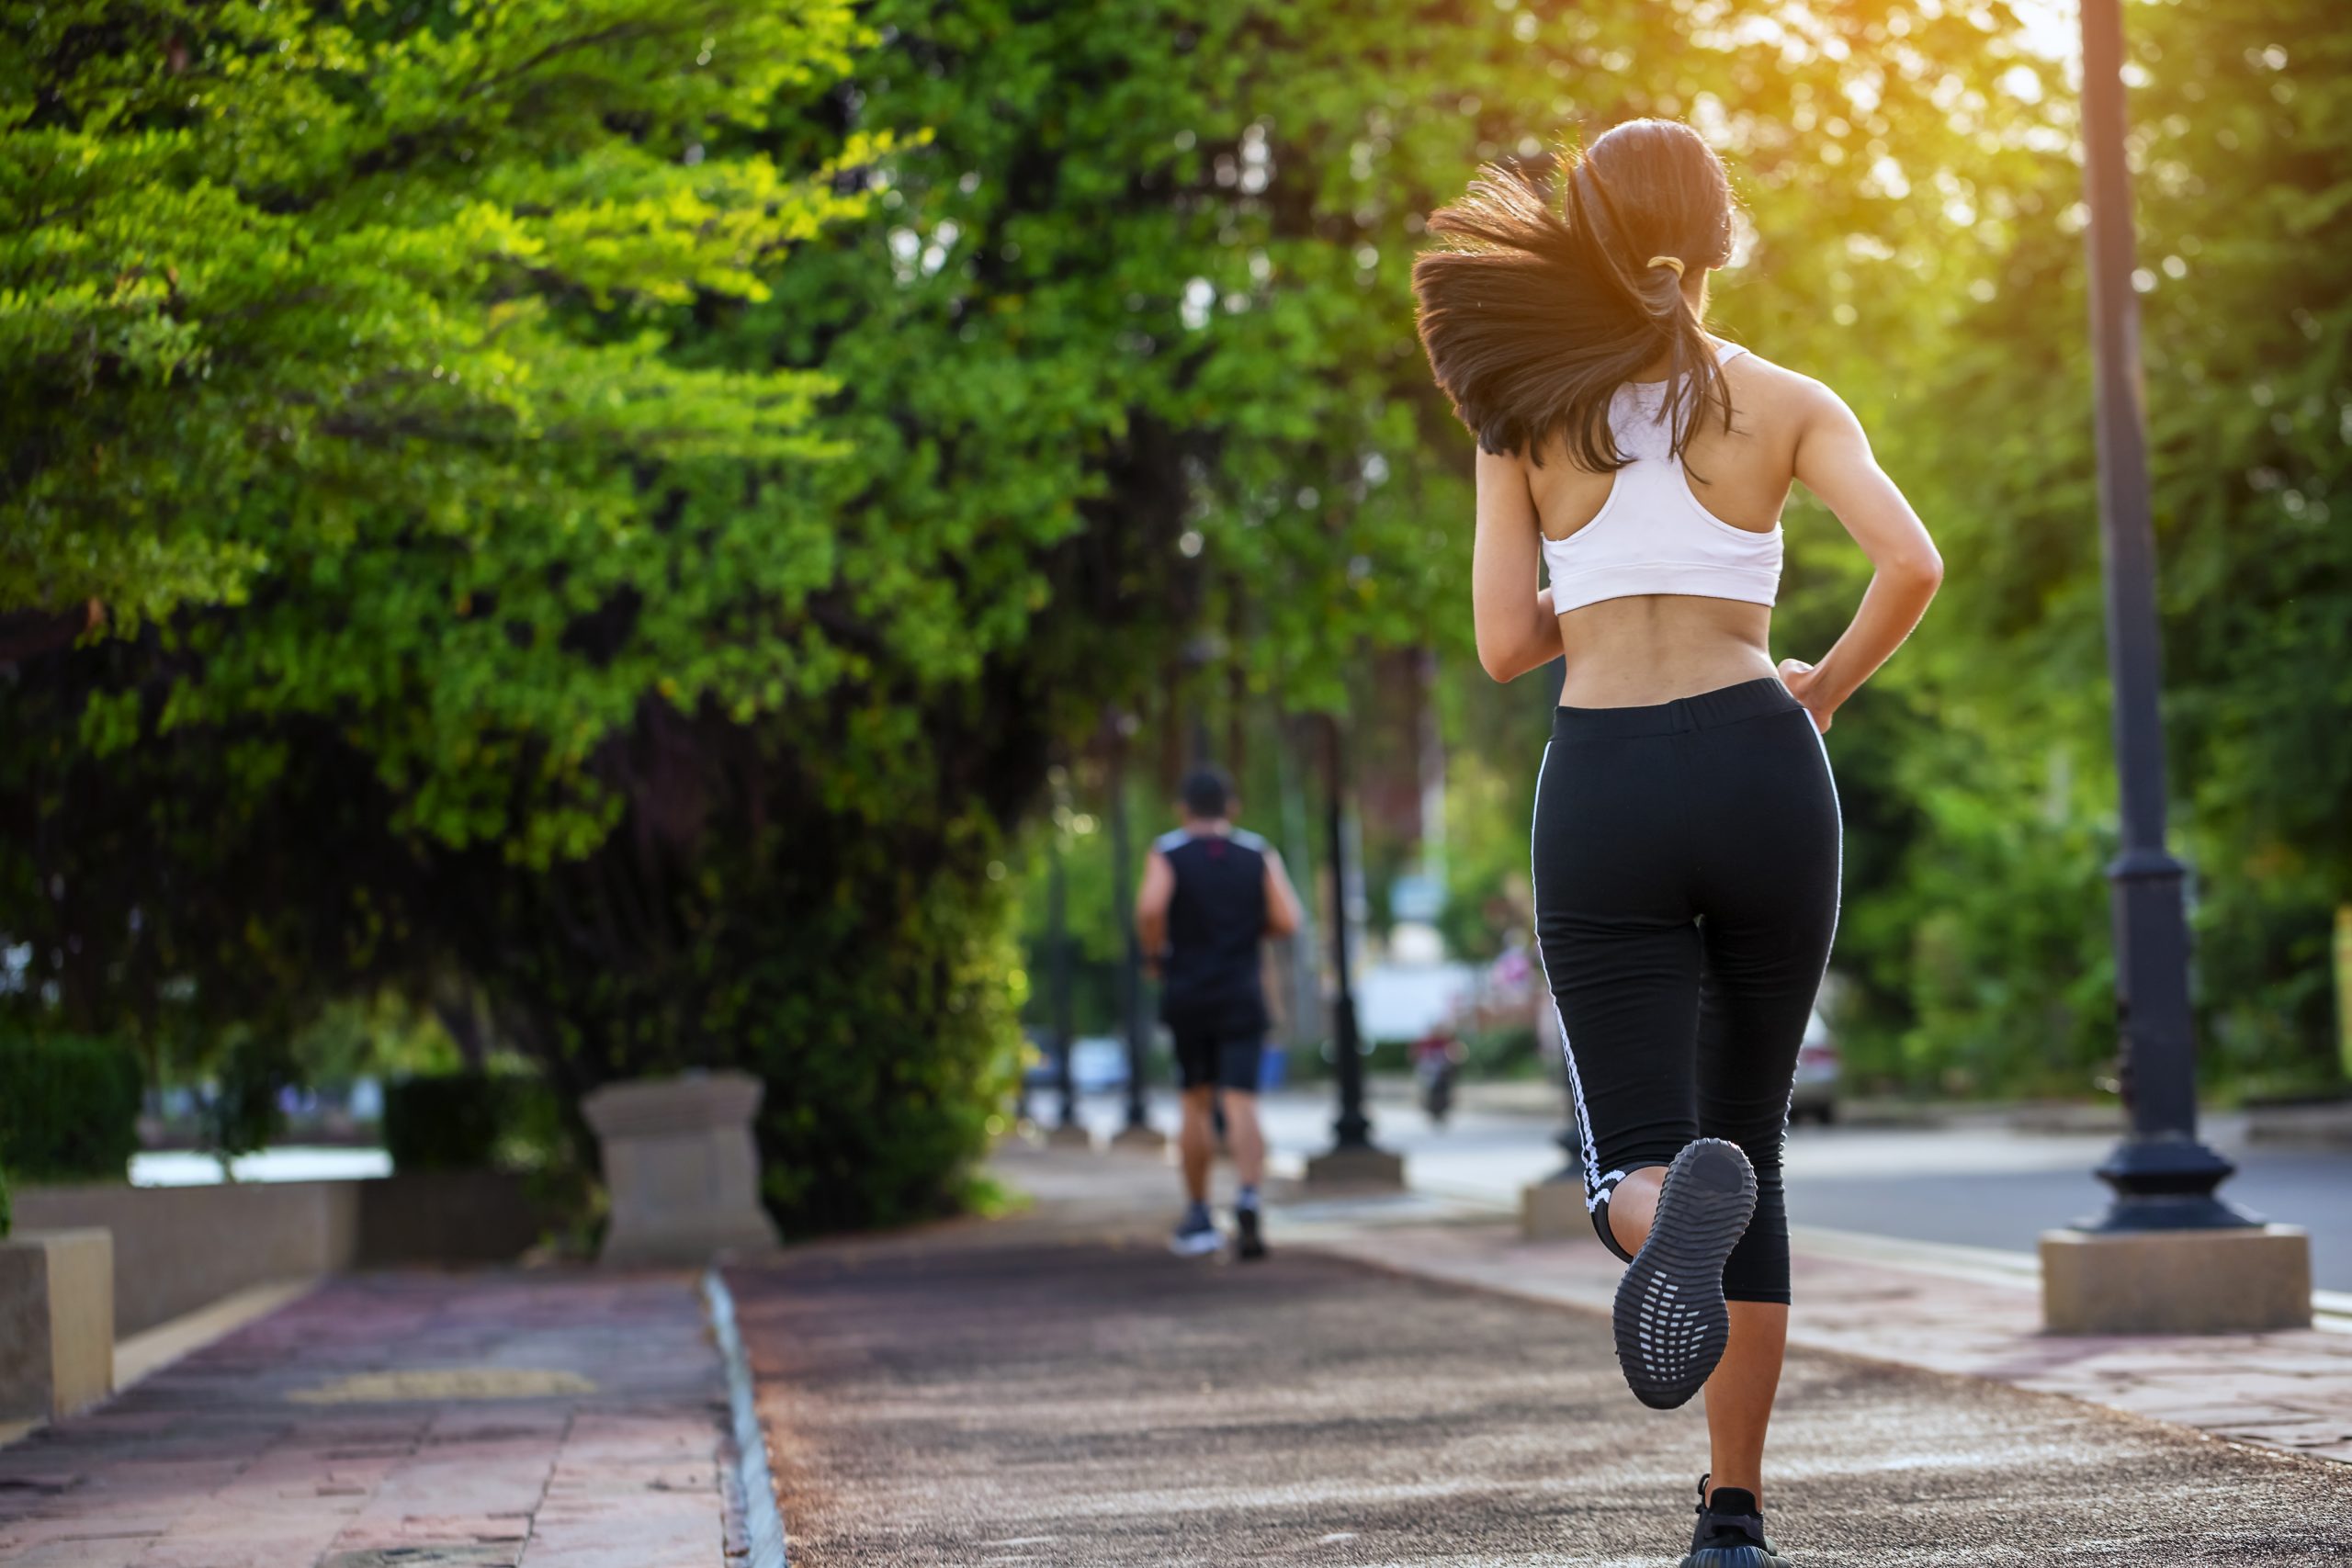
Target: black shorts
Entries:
(1209, 1053)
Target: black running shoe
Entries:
(1248, 1245)
(1731, 1532)
(1670, 1319)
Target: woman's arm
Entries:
(1834, 461)
(1517, 631)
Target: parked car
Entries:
(1816, 1093)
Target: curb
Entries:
(2322, 1126)
(756, 1483)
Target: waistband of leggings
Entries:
(1708, 710)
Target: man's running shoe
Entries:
(1731, 1532)
(1671, 1321)
(1197, 1235)
(1247, 1245)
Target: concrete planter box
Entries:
(56, 1322)
(682, 1170)
(1555, 1211)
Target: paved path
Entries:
(480, 1421)
(1058, 1390)
(1936, 1307)
(2290, 1390)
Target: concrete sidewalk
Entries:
(439, 1421)
(1057, 1389)
(1944, 1308)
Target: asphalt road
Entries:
(991, 1394)
(1969, 1185)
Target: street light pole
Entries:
(1353, 1160)
(1131, 960)
(2163, 1176)
(1057, 922)
(1353, 1129)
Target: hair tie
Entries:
(1674, 262)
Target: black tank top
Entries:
(1214, 923)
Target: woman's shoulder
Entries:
(1772, 390)
(1739, 360)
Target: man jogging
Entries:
(1211, 893)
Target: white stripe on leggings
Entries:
(1596, 1186)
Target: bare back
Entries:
(1633, 644)
(1654, 647)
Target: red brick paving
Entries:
(213, 1463)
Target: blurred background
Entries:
(546, 544)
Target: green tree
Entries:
(344, 354)
(275, 277)
(832, 425)
(2240, 135)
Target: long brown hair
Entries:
(1536, 306)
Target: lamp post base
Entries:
(1553, 1209)
(1142, 1137)
(2165, 1181)
(1069, 1136)
(2239, 1280)
(1355, 1167)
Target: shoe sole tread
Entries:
(1670, 1319)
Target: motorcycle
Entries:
(1437, 1062)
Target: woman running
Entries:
(1686, 839)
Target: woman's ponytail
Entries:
(1535, 308)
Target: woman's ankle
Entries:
(1751, 1481)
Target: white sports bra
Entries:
(1651, 535)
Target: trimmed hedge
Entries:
(69, 1108)
(451, 1122)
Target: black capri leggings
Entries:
(1686, 865)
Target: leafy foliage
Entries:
(1985, 932)
(617, 508)
(448, 1122)
(69, 1108)
(289, 289)
(351, 353)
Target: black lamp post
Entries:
(1131, 959)
(1352, 1130)
(2163, 1176)
(1058, 920)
